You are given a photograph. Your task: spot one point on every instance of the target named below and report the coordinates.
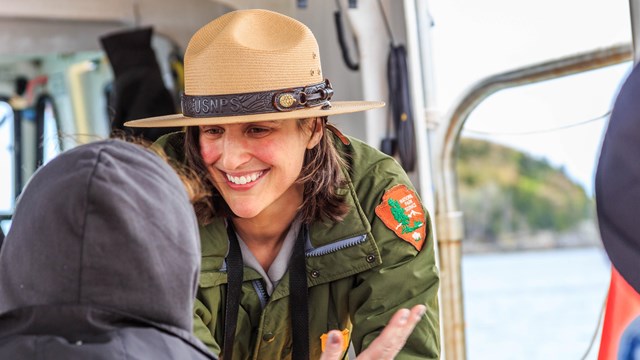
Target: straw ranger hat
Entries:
(253, 65)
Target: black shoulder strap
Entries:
(234, 288)
(299, 298)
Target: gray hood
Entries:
(107, 224)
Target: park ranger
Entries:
(306, 230)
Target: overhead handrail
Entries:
(448, 215)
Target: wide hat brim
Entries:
(337, 107)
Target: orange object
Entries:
(345, 340)
(402, 212)
(623, 306)
(32, 85)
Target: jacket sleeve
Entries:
(203, 326)
(171, 145)
(405, 278)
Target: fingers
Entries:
(387, 345)
(392, 339)
(408, 323)
(333, 347)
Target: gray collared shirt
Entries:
(280, 264)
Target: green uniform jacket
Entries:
(359, 273)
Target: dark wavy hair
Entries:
(321, 177)
(196, 188)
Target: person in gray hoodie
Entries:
(101, 261)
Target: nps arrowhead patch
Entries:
(402, 212)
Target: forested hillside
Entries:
(512, 200)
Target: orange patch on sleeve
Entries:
(345, 340)
(402, 212)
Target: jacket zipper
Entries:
(262, 293)
(336, 246)
(314, 252)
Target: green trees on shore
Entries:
(505, 192)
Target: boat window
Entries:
(535, 276)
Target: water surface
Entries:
(534, 305)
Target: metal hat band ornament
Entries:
(258, 102)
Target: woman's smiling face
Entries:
(255, 166)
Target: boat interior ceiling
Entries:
(36, 27)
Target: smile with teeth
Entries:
(245, 179)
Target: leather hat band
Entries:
(258, 102)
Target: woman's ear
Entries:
(316, 134)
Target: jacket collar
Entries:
(354, 224)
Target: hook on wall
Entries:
(136, 15)
(337, 16)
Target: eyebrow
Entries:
(274, 122)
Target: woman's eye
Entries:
(258, 131)
(212, 131)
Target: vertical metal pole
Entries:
(17, 152)
(417, 67)
(634, 10)
(450, 234)
(419, 47)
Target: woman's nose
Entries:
(235, 153)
